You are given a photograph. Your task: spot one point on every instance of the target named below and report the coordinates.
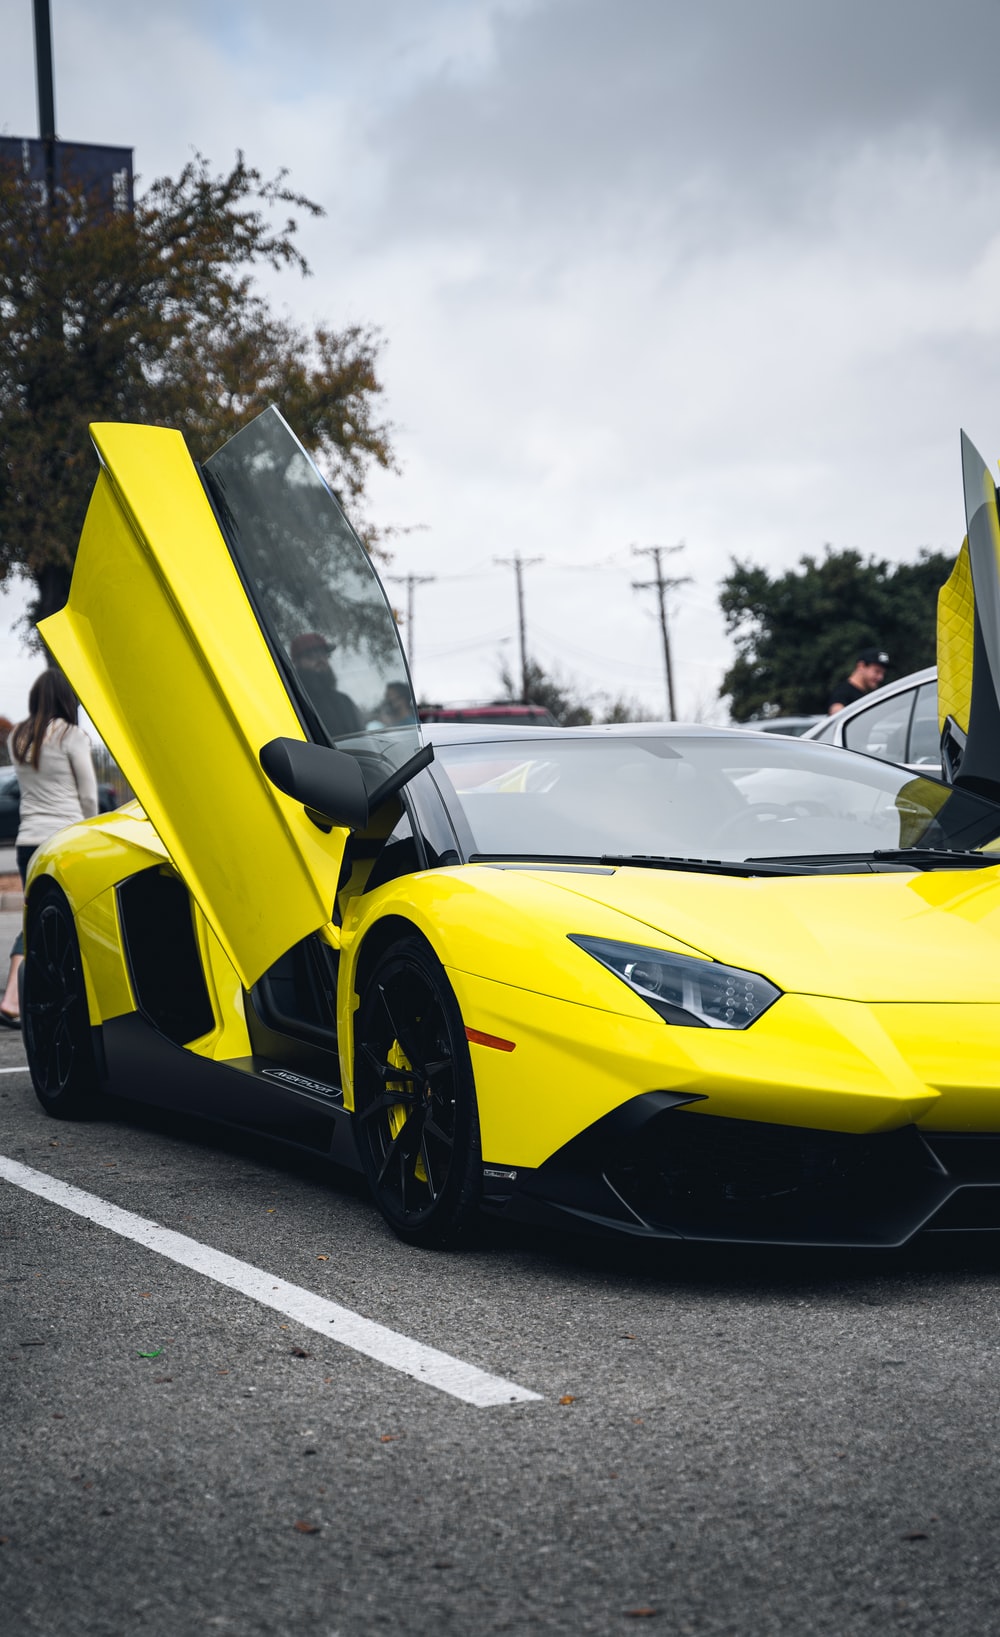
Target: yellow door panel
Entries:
(969, 639)
(229, 1038)
(955, 644)
(164, 649)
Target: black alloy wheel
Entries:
(415, 1117)
(54, 1015)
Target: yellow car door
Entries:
(968, 640)
(213, 611)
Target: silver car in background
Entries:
(897, 723)
(796, 726)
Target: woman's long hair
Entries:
(51, 700)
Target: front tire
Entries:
(415, 1118)
(54, 1014)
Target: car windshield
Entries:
(726, 797)
(320, 603)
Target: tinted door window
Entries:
(925, 735)
(320, 603)
(883, 729)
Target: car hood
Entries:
(889, 937)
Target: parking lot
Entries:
(720, 1442)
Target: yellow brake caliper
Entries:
(397, 1059)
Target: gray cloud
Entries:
(646, 270)
(693, 120)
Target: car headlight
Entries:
(694, 993)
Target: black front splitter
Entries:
(655, 1169)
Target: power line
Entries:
(662, 585)
(442, 650)
(557, 643)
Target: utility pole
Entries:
(519, 564)
(411, 580)
(662, 585)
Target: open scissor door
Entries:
(183, 635)
(968, 640)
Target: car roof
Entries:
(776, 724)
(461, 733)
(510, 707)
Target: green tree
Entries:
(623, 707)
(568, 704)
(799, 633)
(155, 317)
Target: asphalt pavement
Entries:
(723, 1442)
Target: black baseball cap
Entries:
(873, 656)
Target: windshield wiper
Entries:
(647, 861)
(704, 866)
(891, 858)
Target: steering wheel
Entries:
(750, 815)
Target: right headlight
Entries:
(692, 993)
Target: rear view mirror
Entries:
(327, 782)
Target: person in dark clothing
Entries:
(868, 674)
(310, 654)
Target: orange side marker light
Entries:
(479, 1039)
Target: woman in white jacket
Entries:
(54, 764)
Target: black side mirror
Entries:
(328, 783)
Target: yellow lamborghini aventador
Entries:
(667, 982)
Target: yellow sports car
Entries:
(666, 982)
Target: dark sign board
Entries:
(105, 174)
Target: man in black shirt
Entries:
(868, 674)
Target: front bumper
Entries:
(655, 1168)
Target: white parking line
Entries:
(22, 1068)
(339, 1324)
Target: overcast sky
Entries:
(646, 272)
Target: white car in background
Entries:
(897, 723)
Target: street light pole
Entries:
(43, 71)
(46, 95)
